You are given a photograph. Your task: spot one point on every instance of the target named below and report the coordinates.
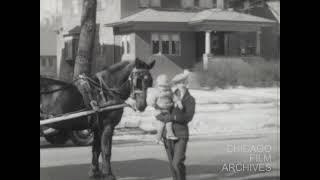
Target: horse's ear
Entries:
(151, 63)
(138, 63)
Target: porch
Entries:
(220, 45)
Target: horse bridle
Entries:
(132, 81)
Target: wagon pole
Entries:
(80, 114)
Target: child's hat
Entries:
(180, 78)
(163, 80)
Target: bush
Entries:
(236, 72)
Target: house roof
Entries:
(152, 15)
(227, 15)
(274, 6)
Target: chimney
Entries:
(220, 4)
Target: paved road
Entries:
(208, 158)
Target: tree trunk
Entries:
(87, 38)
(85, 48)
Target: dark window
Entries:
(50, 62)
(75, 44)
(165, 47)
(176, 47)
(71, 48)
(175, 44)
(68, 50)
(171, 3)
(155, 46)
(128, 47)
(122, 48)
(43, 62)
(237, 5)
(166, 43)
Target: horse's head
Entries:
(141, 80)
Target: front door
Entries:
(218, 43)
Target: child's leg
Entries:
(170, 134)
(160, 131)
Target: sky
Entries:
(48, 10)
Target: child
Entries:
(164, 101)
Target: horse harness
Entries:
(103, 88)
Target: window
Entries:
(128, 44)
(68, 50)
(155, 43)
(71, 48)
(50, 61)
(171, 3)
(125, 44)
(122, 48)
(43, 62)
(166, 43)
(175, 44)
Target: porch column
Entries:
(208, 43)
(207, 54)
(258, 46)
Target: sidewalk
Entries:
(230, 111)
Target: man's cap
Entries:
(163, 80)
(180, 78)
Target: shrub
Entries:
(236, 72)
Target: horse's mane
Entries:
(116, 67)
(50, 81)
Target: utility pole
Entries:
(85, 48)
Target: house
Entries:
(177, 33)
(270, 35)
(48, 59)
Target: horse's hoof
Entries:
(94, 173)
(108, 177)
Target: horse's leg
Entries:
(106, 147)
(96, 150)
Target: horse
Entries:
(122, 80)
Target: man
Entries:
(176, 149)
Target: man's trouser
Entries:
(176, 151)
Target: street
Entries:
(208, 158)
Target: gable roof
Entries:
(274, 7)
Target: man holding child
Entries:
(179, 114)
